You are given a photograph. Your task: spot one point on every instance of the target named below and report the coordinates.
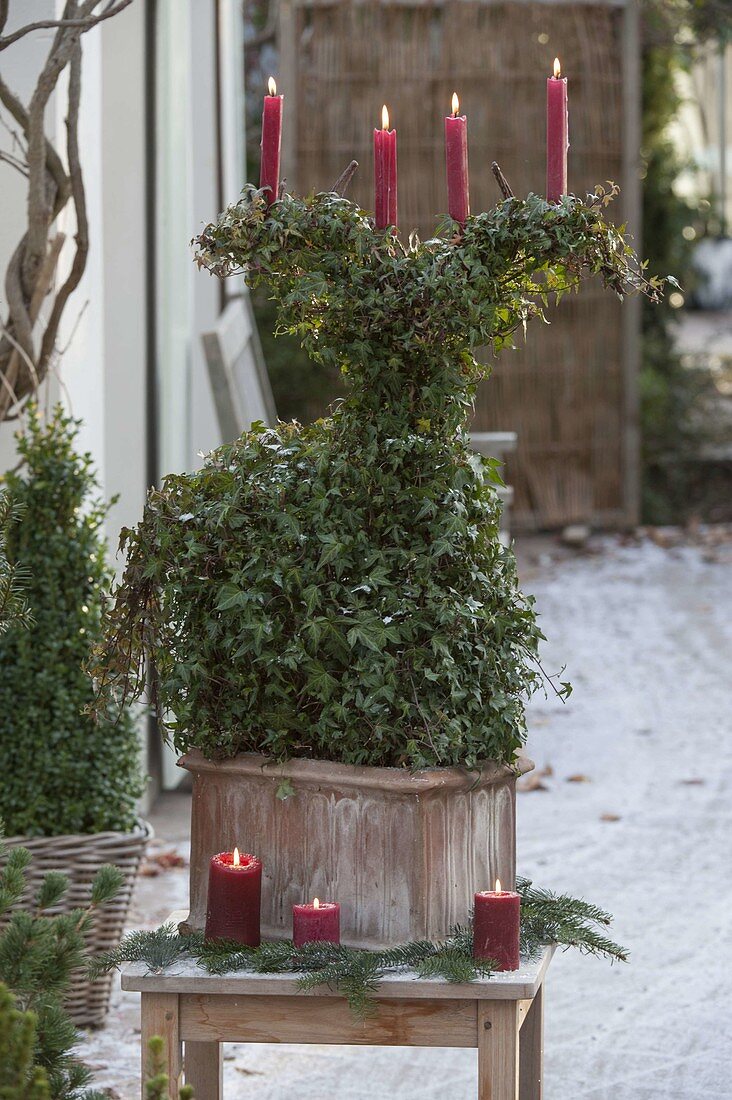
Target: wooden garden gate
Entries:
(571, 394)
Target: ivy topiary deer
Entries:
(339, 590)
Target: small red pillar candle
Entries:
(456, 157)
(269, 169)
(319, 921)
(385, 173)
(234, 898)
(496, 927)
(557, 134)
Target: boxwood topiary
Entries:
(62, 771)
(340, 591)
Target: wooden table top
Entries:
(187, 976)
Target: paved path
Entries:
(646, 634)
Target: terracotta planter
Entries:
(403, 852)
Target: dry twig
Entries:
(341, 184)
(501, 180)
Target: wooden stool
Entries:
(185, 1004)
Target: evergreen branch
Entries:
(546, 918)
(557, 918)
(108, 882)
(158, 948)
(52, 889)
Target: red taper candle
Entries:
(320, 921)
(456, 158)
(385, 173)
(234, 898)
(497, 926)
(557, 134)
(269, 169)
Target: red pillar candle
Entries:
(557, 134)
(319, 921)
(385, 173)
(496, 927)
(234, 898)
(456, 157)
(269, 169)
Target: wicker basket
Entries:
(80, 857)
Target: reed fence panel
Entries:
(570, 393)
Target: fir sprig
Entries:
(564, 920)
(39, 950)
(546, 918)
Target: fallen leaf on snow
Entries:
(531, 783)
(609, 817)
(170, 859)
(161, 861)
(696, 782)
(578, 778)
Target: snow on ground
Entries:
(646, 634)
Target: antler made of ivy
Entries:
(359, 298)
(321, 253)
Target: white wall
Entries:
(124, 248)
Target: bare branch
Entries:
(14, 162)
(341, 184)
(78, 194)
(14, 135)
(83, 24)
(501, 180)
(43, 287)
(55, 166)
(31, 272)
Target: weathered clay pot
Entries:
(403, 852)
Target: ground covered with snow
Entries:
(633, 811)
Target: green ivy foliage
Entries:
(339, 591)
(62, 771)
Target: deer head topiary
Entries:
(340, 591)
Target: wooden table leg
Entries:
(531, 1044)
(204, 1070)
(160, 1017)
(498, 1050)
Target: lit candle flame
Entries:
(316, 903)
(237, 858)
(272, 86)
(455, 105)
(384, 118)
(498, 886)
(557, 69)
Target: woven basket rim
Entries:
(142, 830)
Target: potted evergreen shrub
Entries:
(70, 780)
(338, 636)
